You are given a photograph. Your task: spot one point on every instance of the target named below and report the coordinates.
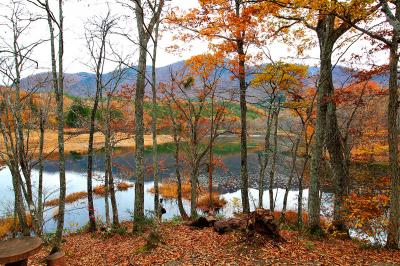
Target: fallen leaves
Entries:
(182, 245)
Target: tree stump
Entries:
(56, 259)
(225, 226)
(260, 221)
(203, 222)
(263, 222)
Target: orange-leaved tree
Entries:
(198, 114)
(321, 17)
(231, 28)
(275, 82)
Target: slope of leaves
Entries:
(181, 245)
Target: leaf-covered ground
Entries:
(182, 245)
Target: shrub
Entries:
(176, 220)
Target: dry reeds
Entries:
(122, 186)
(7, 224)
(169, 190)
(70, 198)
(203, 202)
(99, 190)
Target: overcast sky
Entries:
(76, 59)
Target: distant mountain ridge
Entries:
(83, 84)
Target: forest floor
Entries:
(181, 245)
(77, 141)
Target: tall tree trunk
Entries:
(292, 172)
(324, 32)
(111, 185)
(264, 158)
(333, 136)
(19, 202)
(210, 159)
(60, 117)
(243, 116)
(273, 166)
(17, 112)
(41, 169)
(300, 204)
(106, 198)
(314, 186)
(154, 122)
(13, 164)
(243, 132)
(178, 173)
(91, 211)
(335, 148)
(193, 183)
(92, 218)
(394, 220)
(139, 132)
(145, 32)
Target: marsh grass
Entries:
(7, 224)
(76, 196)
(169, 190)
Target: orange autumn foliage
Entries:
(366, 208)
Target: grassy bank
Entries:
(76, 142)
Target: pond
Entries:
(228, 180)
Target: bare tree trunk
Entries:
(154, 123)
(41, 168)
(92, 218)
(58, 84)
(243, 134)
(19, 203)
(292, 172)
(139, 139)
(193, 182)
(12, 162)
(111, 185)
(300, 204)
(145, 32)
(273, 166)
(324, 32)
(177, 169)
(394, 220)
(106, 198)
(263, 160)
(210, 159)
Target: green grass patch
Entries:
(233, 108)
(231, 147)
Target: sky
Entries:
(77, 13)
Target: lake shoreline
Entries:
(76, 142)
